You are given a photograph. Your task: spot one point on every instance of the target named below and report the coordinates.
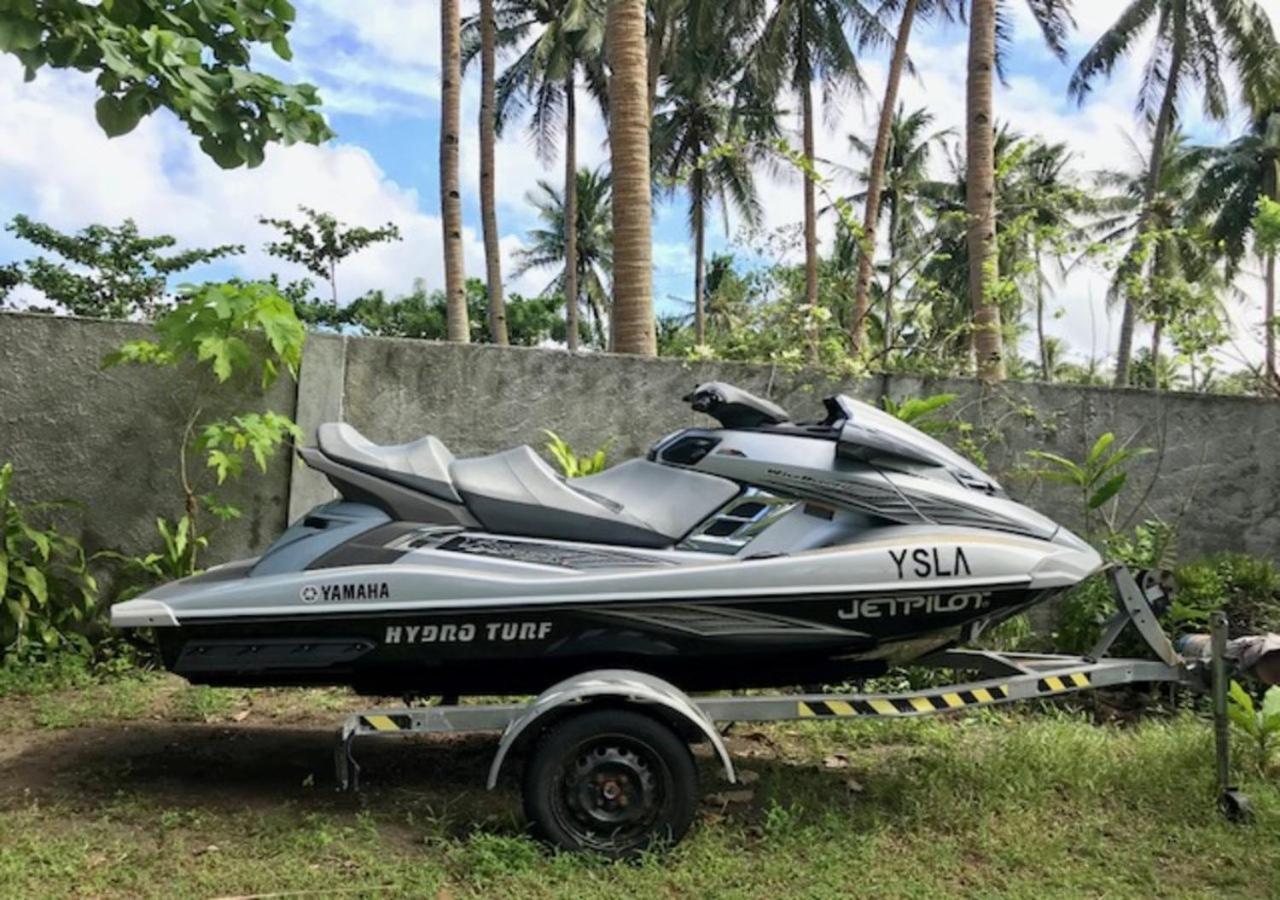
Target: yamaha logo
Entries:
(339, 593)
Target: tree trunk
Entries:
(697, 189)
(455, 288)
(988, 341)
(629, 153)
(570, 213)
(875, 182)
(891, 284)
(1045, 374)
(1269, 318)
(1270, 375)
(1164, 124)
(488, 198)
(810, 197)
(1157, 337)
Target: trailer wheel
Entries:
(613, 781)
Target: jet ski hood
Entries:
(872, 435)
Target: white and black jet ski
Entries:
(762, 552)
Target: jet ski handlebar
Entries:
(734, 407)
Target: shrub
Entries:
(49, 596)
(1245, 587)
(1087, 606)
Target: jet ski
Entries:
(757, 551)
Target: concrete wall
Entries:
(109, 438)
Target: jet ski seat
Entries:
(422, 465)
(637, 503)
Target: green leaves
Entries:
(1266, 227)
(191, 57)
(571, 464)
(918, 411)
(256, 435)
(45, 586)
(116, 116)
(1262, 725)
(1099, 477)
(105, 271)
(233, 328)
(229, 331)
(18, 32)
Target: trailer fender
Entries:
(625, 685)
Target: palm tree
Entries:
(488, 198)
(558, 39)
(1051, 210)
(1239, 174)
(695, 142)
(1191, 38)
(946, 267)
(1164, 231)
(1054, 20)
(593, 238)
(632, 319)
(903, 175)
(799, 42)
(879, 156)
(455, 286)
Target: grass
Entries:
(148, 787)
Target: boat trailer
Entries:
(1002, 678)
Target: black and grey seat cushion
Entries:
(422, 465)
(638, 503)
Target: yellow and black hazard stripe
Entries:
(898, 706)
(1052, 684)
(387, 723)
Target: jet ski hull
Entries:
(710, 644)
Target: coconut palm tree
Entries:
(907, 11)
(593, 238)
(947, 267)
(1052, 210)
(558, 41)
(488, 193)
(1193, 38)
(903, 173)
(632, 319)
(455, 279)
(696, 144)
(1239, 174)
(801, 41)
(1164, 231)
(1055, 20)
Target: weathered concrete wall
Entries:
(109, 439)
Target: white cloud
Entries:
(58, 167)
(376, 58)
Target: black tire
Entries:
(612, 781)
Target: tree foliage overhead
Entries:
(105, 272)
(191, 57)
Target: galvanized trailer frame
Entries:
(1004, 678)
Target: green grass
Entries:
(132, 802)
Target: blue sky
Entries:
(376, 64)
